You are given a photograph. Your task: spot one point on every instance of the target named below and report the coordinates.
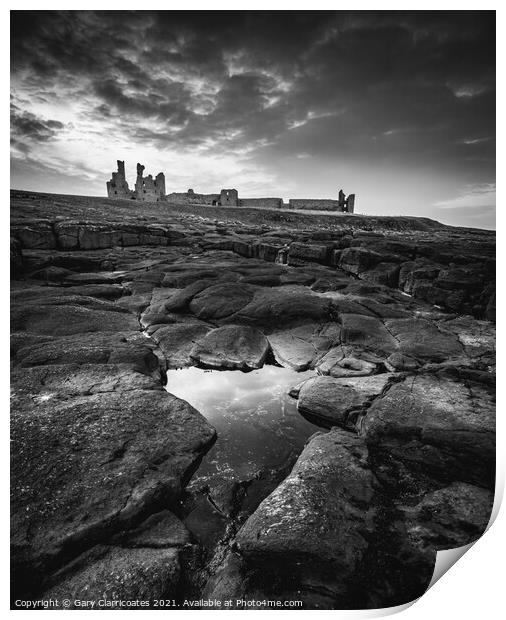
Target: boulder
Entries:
(438, 425)
(162, 529)
(299, 346)
(86, 467)
(413, 273)
(476, 337)
(177, 341)
(73, 379)
(65, 320)
(221, 300)
(318, 253)
(446, 518)
(156, 311)
(386, 274)
(423, 340)
(339, 402)
(135, 303)
(51, 274)
(345, 362)
(89, 348)
(180, 300)
(368, 333)
(356, 260)
(280, 306)
(117, 578)
(312, 533)
(267, 251)
(232, 346)
(35, 235)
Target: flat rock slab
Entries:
(135, 303)
(64, 320)
(102, 291)
(97, 277)
(422, 340)
(181, 299)
(368, 333)
(221, 300)
(232, 346)
(85, 467)
(440, 426)
(91, 295)
(282, 305)
(88, 348)
(177, 342)
(176, 278)
(450, 517)
(337, 402)
(298, 347)
(348, 361)
(477, 337)
(162, 529)
(156, 312)
(314, 528)
(46, 382)
(120, 575)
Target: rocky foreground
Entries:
(394, 315)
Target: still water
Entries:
(257, 422)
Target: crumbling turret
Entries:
(146, 189)
(229, 197)
(117, 187)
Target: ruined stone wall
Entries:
(269, 203)
(190, 197)
(146, 189)
(178, 198)
(160, 184)
(117, 187)
(229, 197)
(315, 204)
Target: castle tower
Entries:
(229, 197)
(160, 185)
(117, 187)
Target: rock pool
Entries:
(257, 422)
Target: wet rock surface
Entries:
(341, 402)
(118, 574)
(232, 346)
(391, 317)
(313, 530)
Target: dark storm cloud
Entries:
(409, 88)
(387, 71)
(27, 128)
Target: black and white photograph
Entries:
(252, 306)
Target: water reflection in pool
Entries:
(257, 422)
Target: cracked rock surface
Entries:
(393, 319)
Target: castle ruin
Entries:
(148, 189)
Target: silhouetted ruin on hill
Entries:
(148, 189)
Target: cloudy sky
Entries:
(396, 107)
